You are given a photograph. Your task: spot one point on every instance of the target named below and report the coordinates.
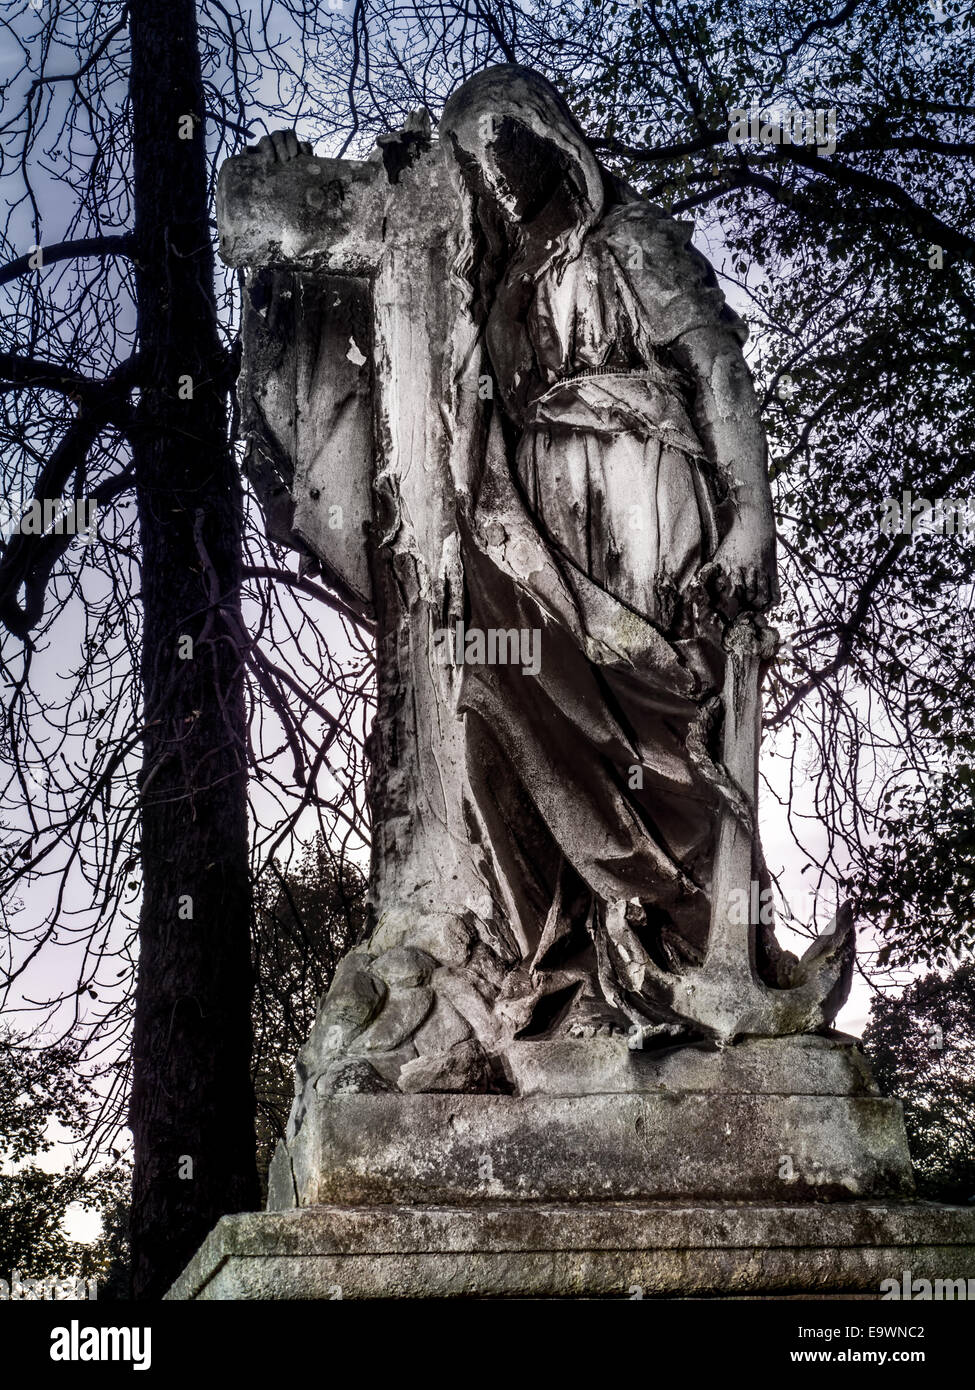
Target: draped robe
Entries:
(596, 509)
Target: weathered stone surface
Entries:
(444, 937)
(597, 1250)
(389, 1064)
(282, 1192)
(461, 990)
(351, 1076)
(443, 1030)
(288, 204)
(353, 1000)
(462, 1067)
(403, 967)
(470, 1148)
(305, 392)
(802, 1065)
(403, 1013)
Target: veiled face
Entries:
(520, 173)
(516, 148)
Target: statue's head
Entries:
(517, 152)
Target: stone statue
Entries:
(556, 509)
(499, 402)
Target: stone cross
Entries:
(369, 342)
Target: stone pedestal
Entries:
(781, 1119)
(772, 1167)
(589, 1250)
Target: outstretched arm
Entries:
(742, 573)
(677, 303)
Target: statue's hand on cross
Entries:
(400, 148)
(279, 147)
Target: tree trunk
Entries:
(192, 1103)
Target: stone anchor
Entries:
(724, 996)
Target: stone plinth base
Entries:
(457, 1149)
(770, 1169)
(586, 1250)
(780, 1120)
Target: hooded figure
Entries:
(622, 512)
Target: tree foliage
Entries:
(44, 1095)
(923, 1050)
(304, 922)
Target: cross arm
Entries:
(307, 213)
